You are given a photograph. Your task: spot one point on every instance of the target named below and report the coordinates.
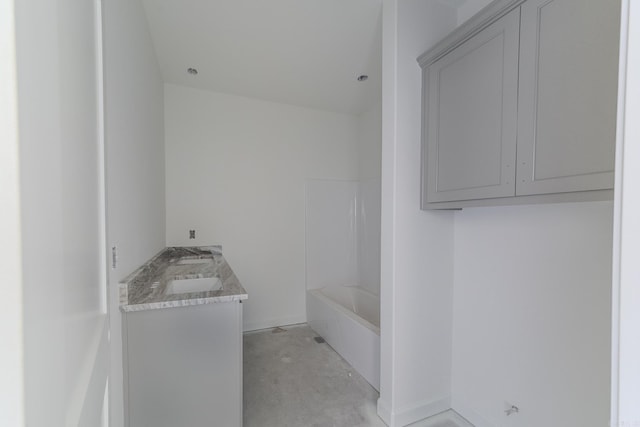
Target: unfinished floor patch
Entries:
(291, 381)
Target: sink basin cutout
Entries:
(187, 261)
(185, 286)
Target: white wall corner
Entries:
(387, 209)
(410, 27)
(466, 412)
(384, 412)
(422, 410)
(409, 415)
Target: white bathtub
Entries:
(348, 318)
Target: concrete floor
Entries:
(292, 381)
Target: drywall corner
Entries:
(135, 164)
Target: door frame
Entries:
(625, 345)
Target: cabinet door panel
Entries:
(470, 107)
(183, 366)
(567, 95)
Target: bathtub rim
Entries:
(318, 294)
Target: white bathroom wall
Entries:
(532, 314)
(11, 316)
(370, 143)
(236, 171)
(470, 8)
(531, 310)
(331, 233)
(368, 234)
(134, 111)
(417, 246)
(368, 219)
(66, 357)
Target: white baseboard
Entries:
(421, 411)
(384, 412)
(469, 414)
(410, 415)
(273, 323)
(456, 418)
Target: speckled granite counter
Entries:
(146, 288)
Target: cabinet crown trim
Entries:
(485, 17)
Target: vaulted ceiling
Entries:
(301, 52)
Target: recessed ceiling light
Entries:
(363, 78)
(192, 71)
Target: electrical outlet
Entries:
(114, 257)
(192, 234)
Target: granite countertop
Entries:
(147, 287)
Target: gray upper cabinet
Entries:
(567, 98)
(471, 125)
(519, 105)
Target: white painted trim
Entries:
(388, 207)
(87, 367)
(274, 322)
(101, 166)
(102, 208)
(469, 414)
(384, 412)
(617, 207)
(574, 197)
(625, 371)
(456, 418)
(412, 414)
(11, 304)
(422, 410)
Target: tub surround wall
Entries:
(368, 223)
(368, 234)
(342, 249)
(331, 243)
(342, 230)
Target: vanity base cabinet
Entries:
(183, 366)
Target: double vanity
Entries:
(182, 340)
